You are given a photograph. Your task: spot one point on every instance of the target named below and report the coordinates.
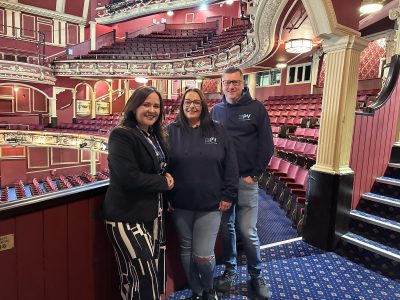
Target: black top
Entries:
(247, 123)
(135, 183)
(204, 169)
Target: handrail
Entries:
(147, 30)
(387, 89)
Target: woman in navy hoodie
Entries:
(205, 172)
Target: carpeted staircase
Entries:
(374, 236)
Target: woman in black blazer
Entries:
(133, 207)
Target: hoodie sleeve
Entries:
(265, 147)
(231, 171)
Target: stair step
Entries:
(372, 246)
(375, 220)
(388, 180)
(394, 165)
(381, 199)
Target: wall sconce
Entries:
(370, 6)
(281, 65)
(298, 45)
(170, 13)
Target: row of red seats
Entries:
(35, 188)
(305, 134)
(20, 190)
(290, 107)
(287, 183)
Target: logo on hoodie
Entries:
(211, 140)
(245, 117)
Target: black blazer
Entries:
(132, 195)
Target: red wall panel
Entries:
(72, 34)
(28, 25)
(373, 139)
(38, 157)
(64, 156)
(29, 249)
(48, 4)
(8, 258)
(12, 171)
(55, 222)
(75, 7)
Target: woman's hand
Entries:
(170, 180)
(224, 205)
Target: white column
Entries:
(252, 84)
(169, 89)
(110, 93)
(17, 23)
(92, 162)
(81, 33)
(56, 32)
(73, 105)
(63, 33)
(9, 17)
(126, 87)
(338, 104)
(60, 6)
(92, 35)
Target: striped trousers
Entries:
(140, 256)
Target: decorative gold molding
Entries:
(54, 139)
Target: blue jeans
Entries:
(245, 212)
(197, 232)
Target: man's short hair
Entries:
(232, 70)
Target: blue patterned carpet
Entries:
(273, 226)
(300, 271)
(297, 270)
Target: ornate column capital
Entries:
(394, 14)
(338, 43)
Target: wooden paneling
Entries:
(55, 250)
(29, 249)
(373, 139)
(8, 259)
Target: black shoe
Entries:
(196, 297)
(224, 282)
(260, 287)
(210, 295)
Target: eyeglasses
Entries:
(188, 102)
(234, 82)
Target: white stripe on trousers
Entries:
(134, 253)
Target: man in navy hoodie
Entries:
(247, 123)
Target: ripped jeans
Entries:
(197, 232)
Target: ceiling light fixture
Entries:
(298, 45)
(141, 80)
(370, 6)
(170, 13)
(229, 2)
(281, 65)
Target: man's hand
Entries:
(170, 180)
(224, 205)
(249, 180)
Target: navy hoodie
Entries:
(247, 123)
(204, 169)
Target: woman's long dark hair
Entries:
(138, 97)
(207, 126)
